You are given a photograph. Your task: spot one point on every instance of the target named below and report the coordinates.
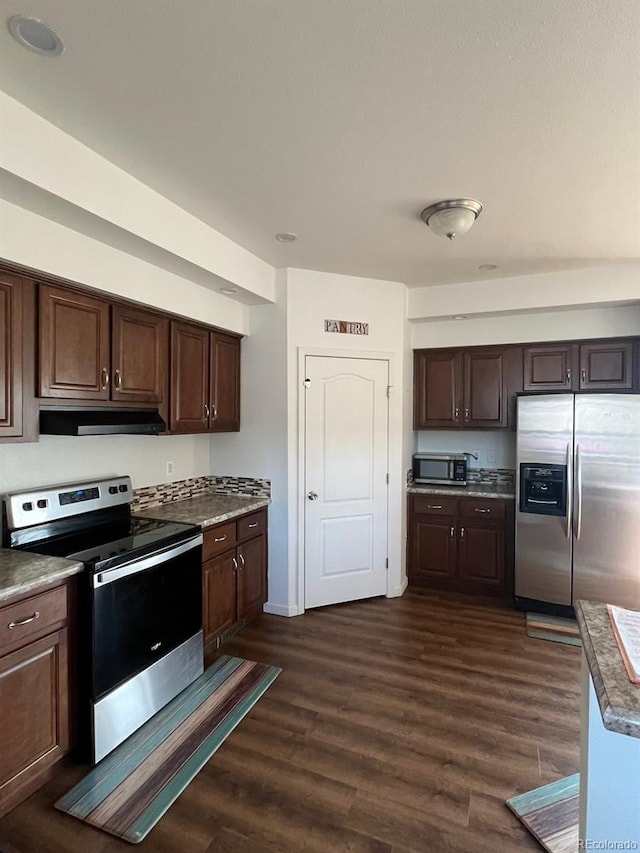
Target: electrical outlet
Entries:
(491, 457)
(169, 468)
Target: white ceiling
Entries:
(341, 119)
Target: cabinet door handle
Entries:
(462, 532)
(452, 532)
(214, 412)
(251, 526)
(207, 412)
(477, 509)
(117, 379)
(220, 538)
(568, 376)
(241, 556)
(466, 414)
(584, 375)
(105, 378)
(13, 625)
(235, 564)
(457, 412)
(434, 506)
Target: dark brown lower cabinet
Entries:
(34, 693)
(463, 544)
(234, 575)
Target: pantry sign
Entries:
(346, 327)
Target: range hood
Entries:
(100, 421)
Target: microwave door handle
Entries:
(546, 503)
(569, 490)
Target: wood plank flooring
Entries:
(396, 725)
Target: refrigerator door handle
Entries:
(569, 490)
(578, 492)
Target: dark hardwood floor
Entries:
(396, 725)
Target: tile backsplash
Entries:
(150, 496)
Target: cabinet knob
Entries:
(313, 496)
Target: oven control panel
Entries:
(24, 509)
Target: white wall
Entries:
(41, 154)
(313, 297)
(500, 443)
(586, 288)
(63, 459)
(260, 448)
(519, 328)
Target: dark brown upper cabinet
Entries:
(549, 367)
(205, 380)
(606, 366)
(11, 315)
(465, 389)
(18, 419)
(74, 345)
(91, 349)
(139, 355)
(580, 366)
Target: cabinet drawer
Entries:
(32, 617)
(218, 540)
(480, 508)
(435, 505)
(252, 525)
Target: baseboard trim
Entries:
(397, 591)
(280, 609)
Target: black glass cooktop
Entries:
(94, 545)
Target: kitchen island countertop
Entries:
(205, 510)
(618, 697)
(472, 490)
(22, 572)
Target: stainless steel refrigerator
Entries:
(577, 500)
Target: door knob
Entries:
(312, 496)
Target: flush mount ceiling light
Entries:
(451, 218)
(487, 267)
(286, 237)
(35, 35)
(228, 290)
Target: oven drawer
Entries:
(218, 540)
(252, 525)
(32, 617)
(479, 508)
(435, 505)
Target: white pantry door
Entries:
(345, 497)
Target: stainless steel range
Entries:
(139, 600)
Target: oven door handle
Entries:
(135, 566)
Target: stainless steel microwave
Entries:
(440, 469)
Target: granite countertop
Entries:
(618, 697)
(205, 510)
(472, 490)
(22, 572)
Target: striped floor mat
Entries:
(550, 814)
(127, 793)
(554, 628)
